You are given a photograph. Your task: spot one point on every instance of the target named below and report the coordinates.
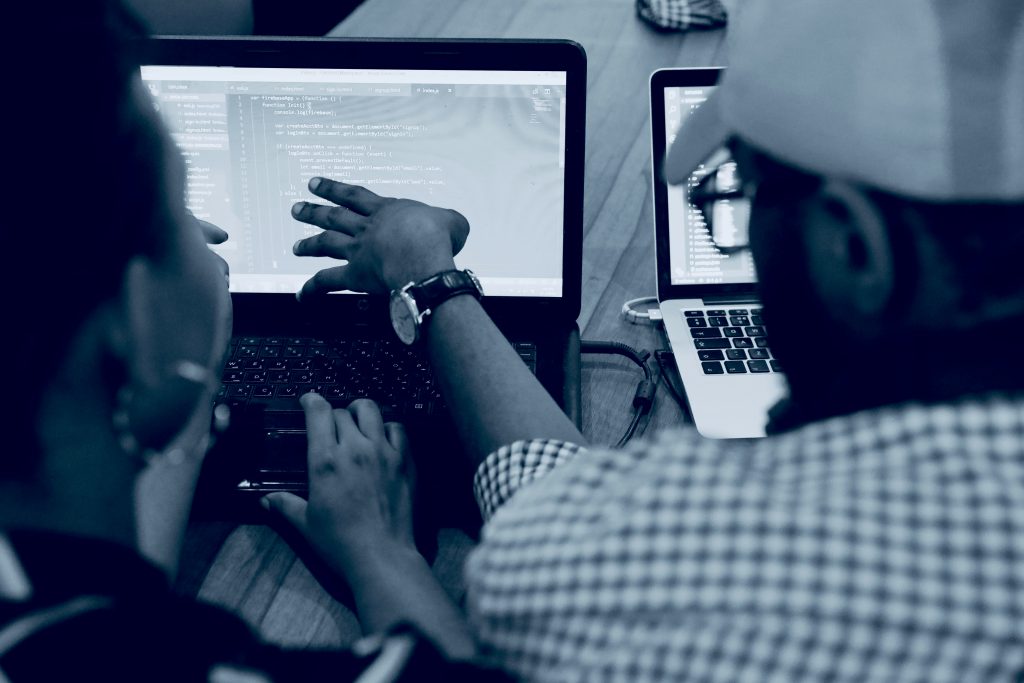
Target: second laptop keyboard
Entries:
(731, 341)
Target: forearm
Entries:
(393, 584)
(493, 397)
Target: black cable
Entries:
(667, 369)
(643, 397)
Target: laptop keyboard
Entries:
(273, 372)
(731, 341)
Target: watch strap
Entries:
(437, 289)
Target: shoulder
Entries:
(157, 638)
(857, 527)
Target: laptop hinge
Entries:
(731, 299)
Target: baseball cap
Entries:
(922, 98)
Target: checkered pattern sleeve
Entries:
(511, 467)
(682, 14)
(883, 546)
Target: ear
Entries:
(850, 254)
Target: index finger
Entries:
(320, 431)
(354, 197)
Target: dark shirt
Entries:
(85, 609)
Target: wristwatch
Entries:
(411, 304)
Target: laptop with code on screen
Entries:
(492, 129)
(708, 297)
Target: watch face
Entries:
(402, 318)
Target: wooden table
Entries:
(255, 572)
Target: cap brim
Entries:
(702, 133)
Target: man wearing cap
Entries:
(876, 534)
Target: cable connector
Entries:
(641, 317)
(643, 399)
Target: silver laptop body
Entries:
(708, 300)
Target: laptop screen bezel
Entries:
(381, 53)
(660, 80)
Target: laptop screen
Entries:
(693, 259)
(490, 144)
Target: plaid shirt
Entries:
(882, 546)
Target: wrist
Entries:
(371, 557)
(419, 270)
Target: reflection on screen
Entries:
(488, 144)
(693, 258)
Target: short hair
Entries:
(978, 243)
(81, 198)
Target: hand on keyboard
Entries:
(360, 484)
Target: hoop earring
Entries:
(121, 419)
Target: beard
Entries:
(829, 369)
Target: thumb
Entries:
(289, 506)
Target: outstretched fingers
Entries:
(353, 197)
(329, 217)
(327, 243)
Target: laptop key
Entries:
(711, 343)
(710, 355)
(756, 319)
(734, 367)
(696, 322)
(705, 332)
(262, 391)
(718, 320)
(248, 352)
(755, 331)
(271, 351)
(717, 312)
(761, 342)
(737, 311)
(775, 365)
(712, 368)
(757, 365)
(759, 354)
(732, 331)
(736, 354)
(742, 343)
(739, 320)
(691, 314)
